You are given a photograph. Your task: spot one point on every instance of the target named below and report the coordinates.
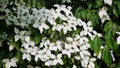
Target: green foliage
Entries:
(107, 56)
(109, 40)
(95, 44)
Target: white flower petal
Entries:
(109, 2)
(11, 48)
(118, 40)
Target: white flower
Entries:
(27, 38)
(10, 62)
(74, 66)
(43, 26)
(91, 65)
(30, 66)
(68, 1)
(83, 64)
(49, 62)
(118, 33)
(89, 24)
(82, 55)
(51, 21)
(93, 59)
(109, 2)
(58, 60)
(118, 40)
(33, 50)
(36, 57)
(0, 44)
(77, 57)
(37, 67)
(113, 58)
(45, 57)
(99, 55)
(66, 28)
(69, 39)
(53, 47)
(67, 52)
(26, 45)
(26, 56)
(103, 15)
(59, 45)
(11, 48)
(58, 27)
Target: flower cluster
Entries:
(59, 19)
(52, 53)
(19, 15)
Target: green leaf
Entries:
(118, 6)
(77, 11)
(115, 12)
(99, 3)
(117, 48)
(107, 26)
(109, 39)
(117, 65)
(90, 5)
(36, 38)
(95, 44)
(16, 45)
(19, 56)
(97, 66)
(107, 56)
(83, 14)
(89, 14)
(115, 28)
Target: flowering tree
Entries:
(63, 34)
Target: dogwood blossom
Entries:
(103, 15)
(74, 66)
(11, 48)
(118, 40)
(10, 62)
(26, 56)
(109, 2)
(68, 1)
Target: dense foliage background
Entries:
(72, 33)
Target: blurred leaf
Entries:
(83, 14)
(19, 56)
(90, 5)
(97, 66)
(95, 44)
(115, 12)
(99, 3)
(117, 4)
(89, 15)
(16, 45)
(107, 26)
(117, 63)
(115, 28)
(117, 48)
(36, 38)
(109, 39)
(77, 11)
(107, 56)
(111, 26)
